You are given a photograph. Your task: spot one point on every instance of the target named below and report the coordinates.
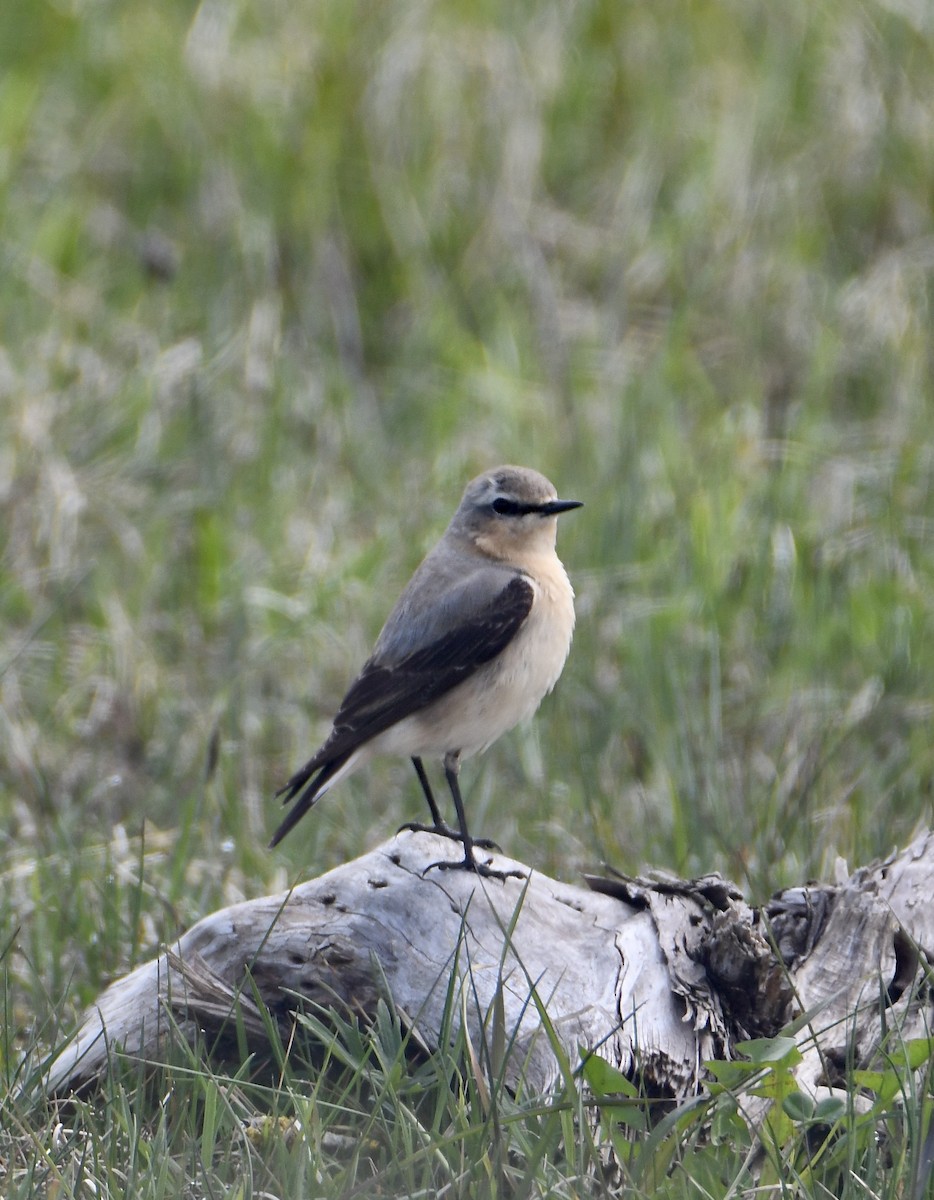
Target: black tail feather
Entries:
(304, 788)
(291, 789)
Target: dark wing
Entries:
(384, 694)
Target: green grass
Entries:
(276, 281)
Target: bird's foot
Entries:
(469, 863)
(443, 830)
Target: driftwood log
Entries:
(655, 974)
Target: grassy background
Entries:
(277, 280)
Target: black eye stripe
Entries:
(512, 508)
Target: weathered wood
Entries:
(862, 963)
(655, 974)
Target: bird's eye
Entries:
(506, 508)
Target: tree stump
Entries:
(655, 974)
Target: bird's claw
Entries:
(447, 832)
(481, 869)
(441, 830)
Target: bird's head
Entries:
(510, 512)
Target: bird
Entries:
(477, 639)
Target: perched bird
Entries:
(477, 639)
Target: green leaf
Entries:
(603, 1078)
(799, 1106)
(730, 1074)
(606, 1082)
(830, 1109)
(764, 1051)
(918, 1051)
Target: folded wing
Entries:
(485, 619)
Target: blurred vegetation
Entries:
(278, 279)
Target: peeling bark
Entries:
(655, 974)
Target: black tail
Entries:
(306, 785)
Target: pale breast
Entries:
(532, 663)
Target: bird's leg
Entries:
(469, 861)
(429, 796)
(440, 826)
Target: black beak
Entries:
(553, 507)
